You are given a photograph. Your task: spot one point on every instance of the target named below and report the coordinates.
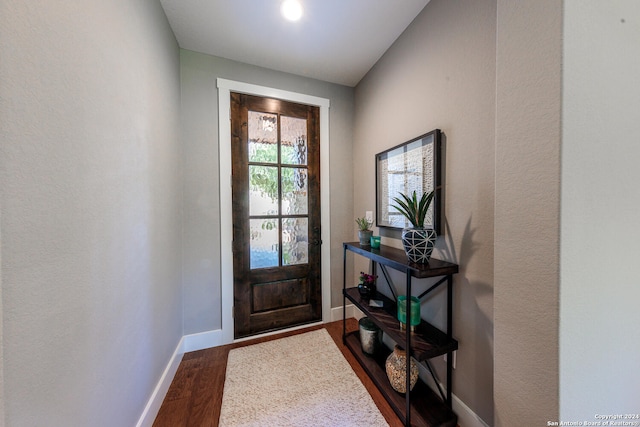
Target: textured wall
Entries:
(91, 209)
(201, 201)
(2, 413)
(599, 345)
(441, 74)
(526, 281)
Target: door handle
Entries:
(316, 232)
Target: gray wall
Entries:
(526, 280)
(100, 205)
(566, 211)
(441, 74)
(599, 345)
(201, 250)
(91, 209)
(2, 412)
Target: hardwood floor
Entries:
(195, 395)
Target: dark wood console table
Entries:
(421, 406)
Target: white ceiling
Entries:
(336, 40)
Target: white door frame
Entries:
(225, 87)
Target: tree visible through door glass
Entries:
(263, 190)
(263, 137)
(294, 191)
(278, 190)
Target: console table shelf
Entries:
(427, 341)
(421, 406)
(427, 409)
(397, 259)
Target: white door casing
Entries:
(225, 87)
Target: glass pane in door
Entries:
(263, 137)
(263, 190)
(278, 190)
(294, 140)
(264, 242)
(295, 241)
(294, 191)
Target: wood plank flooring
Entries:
(195, 395)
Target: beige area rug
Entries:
(302, 380)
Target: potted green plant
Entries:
(417, 240)
(364, 231)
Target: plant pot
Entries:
(418, 244)
(365, 237)
(366, 290)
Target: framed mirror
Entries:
(413, 165)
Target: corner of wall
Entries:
(2, 419)
(527, 211)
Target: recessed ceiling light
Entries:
(291, 9)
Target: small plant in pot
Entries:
(364, 231)
(417, 240)
(367, 285)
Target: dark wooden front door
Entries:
(276, 214)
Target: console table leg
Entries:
(408, 351)
(344, 295)
(450, 335)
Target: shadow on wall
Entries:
(468, 246)
(471, 295)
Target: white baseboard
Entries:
(352, 311)
(187, 343)
(155, 401)
(202, 340)
(466, 417)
